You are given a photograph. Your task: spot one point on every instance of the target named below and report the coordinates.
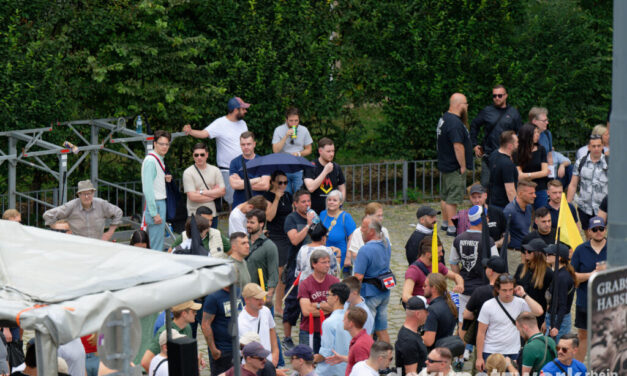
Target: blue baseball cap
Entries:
(596, 222)
(237, 102)
(301, 351)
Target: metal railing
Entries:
(392, 182)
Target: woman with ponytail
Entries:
(558, 323)
(442, 317)
(534, 274)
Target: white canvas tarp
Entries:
(64, 286)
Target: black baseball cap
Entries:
(477, 188)
(561, 249)
(497, 264)
(416, 303)
(426, 210)
(536, 245)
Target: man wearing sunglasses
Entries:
(202, 183)
(588, 258)
(494, 119)
(565, 364)
(379, 359)
(439, 363)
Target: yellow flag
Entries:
(569, 232)
(434, 249)
(263, 287)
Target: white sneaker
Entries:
(466, 355)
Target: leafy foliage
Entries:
(373, 75)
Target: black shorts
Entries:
(581, 319)
(584, 218)
(283, 245)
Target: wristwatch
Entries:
(200, 192)
(318, 305)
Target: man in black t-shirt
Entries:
(495, 119)
(427, 217)
(503, 172)
(325, 176)
(296, 227)
(545, 230)
(454, 158)
(411, 352)
(467, 256)
(441, 320)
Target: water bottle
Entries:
(138, 124)
(315, 219)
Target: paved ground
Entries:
(400, 220)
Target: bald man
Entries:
(454, 158)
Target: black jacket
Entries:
(487, 118)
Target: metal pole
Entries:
(12, 172)
(94, 156)
(405, 182)
(62, 179)
(618, 120)
(233, 326)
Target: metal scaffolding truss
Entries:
(37, 152)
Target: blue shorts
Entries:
(379, 307)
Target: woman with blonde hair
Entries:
(374, 209)
(341, 226)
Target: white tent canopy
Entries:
(64, 286)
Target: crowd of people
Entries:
(301, 258)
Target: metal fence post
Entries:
(62, 179)
(405, 183)
(94, 156)
(12, 172)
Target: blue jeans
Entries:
(294, 181)
(564, 328)
(156, 233)
(542, 198)
(303, 339)
(378, 305)
(92, 362)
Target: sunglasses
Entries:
(498, 95)
(434, 361)
(60, 230)
(259, 358)
(562, 349)
(282, 182)
(597, 229)
(199, 155)
(506, 278)
(595, 137)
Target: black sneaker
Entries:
(288, 344)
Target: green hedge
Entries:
(179, 61)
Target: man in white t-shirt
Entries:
(379, 359)
(226, 130)
(497, 332)
(257, 318)
(159, 364)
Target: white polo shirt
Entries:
(260, 325)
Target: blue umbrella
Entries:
(267, 164)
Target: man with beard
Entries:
(427, 217)
(226, 130)
(325, 177)
(545, 229)
(495, 119)
(454, 158)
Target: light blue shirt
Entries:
(369, 325)
(334, 338)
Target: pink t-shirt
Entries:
(316, 292)
(416, 275)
